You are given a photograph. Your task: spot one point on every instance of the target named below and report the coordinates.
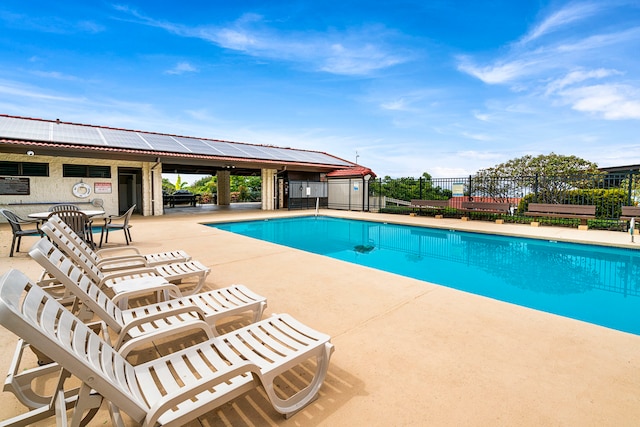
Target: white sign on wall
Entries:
(102, 188)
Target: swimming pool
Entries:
(596, 284)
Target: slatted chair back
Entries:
(88, 265)
(63, 207)
(77, 282)
(77, 221)
(64, 233)
(29, 312)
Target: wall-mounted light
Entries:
(30, 153)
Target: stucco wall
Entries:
(46, 191)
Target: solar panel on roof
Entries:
(39, 130)
(283, 154)
(24, 129)
(250, 151)
(164, 143)
(266, 153)
(196, 146)
(123, 139)
(228, 149)
(75, 134)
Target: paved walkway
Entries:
(407, 352)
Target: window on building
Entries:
(86, 171)
(24, 169)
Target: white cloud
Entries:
(501, 72)
(54, 75)
(479, 155)
(579, 76)
(609, 101)
(18, 90)
(476, 136)
(562, 18)
(395, 105)
(357, 51)
(181, 68)
(563, 64)
(483, 117)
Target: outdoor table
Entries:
(45, 215)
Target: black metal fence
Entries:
(608, 192)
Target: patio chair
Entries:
(111, 223)
(111, 259)
(18, 232)
(169, 390)
(63, 207)
(122, 279)
(79, 222)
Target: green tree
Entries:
(167, 186)
(549, 176)
(208, 184)
(408, 188)
(180, 184)
(246, 187)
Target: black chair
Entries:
(63, 207)
(79, 222)
(110, 225)
(16, 228)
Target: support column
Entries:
(224, 188)
(268, 189)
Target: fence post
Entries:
(535, 189)
(470, 188)
(630, 188)
(421, 188)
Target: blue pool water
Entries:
(595, 284)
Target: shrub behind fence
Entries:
(608, 192)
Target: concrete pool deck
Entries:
(407, 352)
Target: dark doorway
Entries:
(129, 189)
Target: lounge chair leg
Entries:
(86, 403)
(292, 405)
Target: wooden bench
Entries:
(430, 205)
(485, 207)
(629, 212)
(554, 210)
(176, 199)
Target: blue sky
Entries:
(446, 87)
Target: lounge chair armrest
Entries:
(172, 289)
(208, 381)
(177, 330)
(145, 271)
(120, 259)
(106, 252)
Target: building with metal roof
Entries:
(43, 161)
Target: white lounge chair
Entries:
(121, 280)
(112, 259)
(136, 322)
(170, 390)
(132, 326)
